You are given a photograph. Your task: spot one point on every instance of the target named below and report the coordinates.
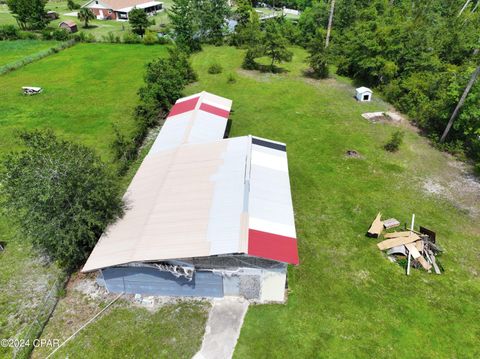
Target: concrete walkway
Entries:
(223, 328)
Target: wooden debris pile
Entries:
(419, 248)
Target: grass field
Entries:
(172, 330)
(346, 300)
(98, 28)
(87, 88)
(12, 51)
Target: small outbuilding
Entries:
(52, 15)
(68, 25)
(363, 94)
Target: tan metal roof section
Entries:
(169, 200)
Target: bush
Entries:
(9, 32)
(150, 38)
(73, 5)
(215, 69)
(231, 79)
(55, 34)
(111, 38)
(395, 141)
(27, 35)
(476, 169)
(131, 38)
(74, 198)
(84, 37)
(249, 60)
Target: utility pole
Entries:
(460, 103)
(464, 7)
(330, 20)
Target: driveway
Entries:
(223, 328)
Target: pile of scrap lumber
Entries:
(419, 248)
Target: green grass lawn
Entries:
(98, 28)
(87, 88)
(12, 51)
(125, 330)
(346, 300)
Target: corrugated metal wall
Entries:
(151, 281)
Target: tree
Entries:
(471, 82)
(72, 5)
(85, 15)
(30, 14)
(247, 31)
(317, 58)
(165, 80)
(185, 23)
(275, 45)
(330, 21)
(60, 194)
(212, 15)
(139, 21)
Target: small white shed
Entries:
(363, 94)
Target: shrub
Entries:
(9, 32)
(74, 198)
(73, 5)
(27, 35)
(150, 38)
(55, 34)
(84, 37)
(231, 79)
(165, 40)
(249, 60)
(476, 169)
(131, 38)
(395, 141)
(61, 34)
(111, 38)
(215, 69)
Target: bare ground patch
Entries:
(458, 185)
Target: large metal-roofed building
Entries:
(206, 215)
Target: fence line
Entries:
(35, 57)
(44, 313)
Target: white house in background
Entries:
(119, 9)
(363, 94)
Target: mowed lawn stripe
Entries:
(87, 88)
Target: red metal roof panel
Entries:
(183, 106)
(272, 246)
(214, 110)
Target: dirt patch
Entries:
(257, 75)
(384, 117)
(352, 154)
(458, 185)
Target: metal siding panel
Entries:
(150, 281)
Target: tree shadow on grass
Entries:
(271, 69)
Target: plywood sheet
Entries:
(397, 234)
(377, 226)
(412, 249)
(392, 242)
(424, 263)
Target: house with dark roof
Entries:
(119, 9)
